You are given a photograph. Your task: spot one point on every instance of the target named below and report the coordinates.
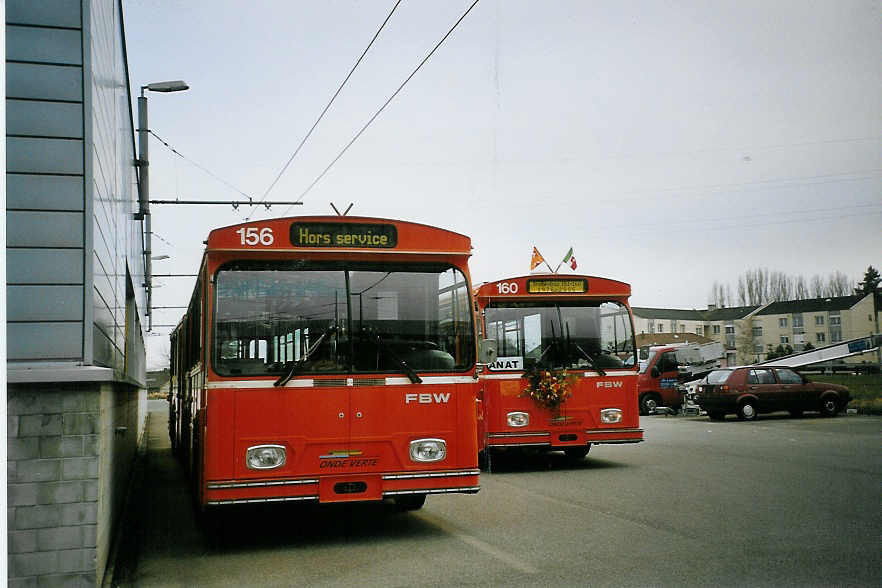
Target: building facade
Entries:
(76, 399)
(750, 333)
(817, 322)
(724, 325)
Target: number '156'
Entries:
(254, 235)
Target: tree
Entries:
(761, 286)
(753, 287)
(778, 352)
(838, 284)
(801, 289)
(721, 295)
(744, 342)
(816, 286)
(870, 283)
(808, 346)
(781, 287)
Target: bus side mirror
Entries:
(486, 351)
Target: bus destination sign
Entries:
(346, 235)
(536, 286)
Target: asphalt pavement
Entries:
(775, 502)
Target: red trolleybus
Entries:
(565, 376)
(327, 359)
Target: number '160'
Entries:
(253, 236)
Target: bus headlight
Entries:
(517, 419)
(427, 450)
(265, 457)
(610, 416)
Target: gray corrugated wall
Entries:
(71, 187)
(112, 196)
(45, 173)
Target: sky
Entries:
(671, 144)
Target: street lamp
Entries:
(144, 182)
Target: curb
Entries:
(123, 558)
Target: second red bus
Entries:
(574, 332)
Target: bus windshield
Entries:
(276, 318)
(578, 335)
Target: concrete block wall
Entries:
(70, 451)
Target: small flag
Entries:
(569, 257)
(536, 260)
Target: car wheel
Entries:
(575, 453)
(716, 415)
(410, 502)
(747, 410)
(795, 412)
(648, 403)
(829, 405)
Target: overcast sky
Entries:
(672, 144)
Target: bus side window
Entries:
(532, 336)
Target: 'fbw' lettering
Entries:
(426, 398)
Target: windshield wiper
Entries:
(591, 361)
(298, 365)
(408, 371)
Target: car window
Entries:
(760, 377)
(718, 376)
(667, 362)
(788, 377)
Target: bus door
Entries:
(408, 328)
(274, 321)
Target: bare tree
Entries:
(800, 289)
(838, 284)
(780, 287)
(816, 286)
(744, 341)
(721, 295)
(742, 291)
(760, 286)
(754, 287)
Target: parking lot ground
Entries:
(775, 502)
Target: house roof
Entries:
(813, 305)
(668, 313)
(644, 339)
(728, 314)
(717, 314)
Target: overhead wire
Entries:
(385, 104)
(203, 168)
(725, 219)
(328, 105)
(753, 224)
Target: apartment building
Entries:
(749, 333)
(819, 322)
(725, 325)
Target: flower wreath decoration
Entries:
(548, 388)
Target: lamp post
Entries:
(144, 183)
